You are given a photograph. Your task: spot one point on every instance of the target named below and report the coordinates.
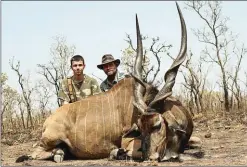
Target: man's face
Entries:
(77, 67)
(110, 68)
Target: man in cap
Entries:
(109, 66)
(79, 85)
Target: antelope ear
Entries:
(133, 132)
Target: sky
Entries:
(96, 28)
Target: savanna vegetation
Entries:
(225, 97)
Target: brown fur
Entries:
(171, 142)
(91, 127)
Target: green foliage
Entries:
(9, 96)
(3, 78)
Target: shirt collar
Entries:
(115, 79)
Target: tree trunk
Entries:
(226, 95)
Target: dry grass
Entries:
(223, 135)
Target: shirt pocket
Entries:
(86, 92)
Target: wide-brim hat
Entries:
(108, 58)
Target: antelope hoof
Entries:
(58, 156)
(195, 143)
(118, 154)
(171, 157)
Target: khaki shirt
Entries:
(88, 87)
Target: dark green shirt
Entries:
(106, 85)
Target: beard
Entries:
(111, 72)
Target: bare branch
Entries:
(215, 34)
(98, 77)
(155, 49)
(26, 91)
(57, 68)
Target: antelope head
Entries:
(151, 124)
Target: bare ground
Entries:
(226, 146)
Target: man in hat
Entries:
(79, 85)
(109, 66)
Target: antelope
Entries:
(93, 127)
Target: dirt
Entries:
(224, 144)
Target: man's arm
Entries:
(63, 94)
(95, 87)
(102, 88)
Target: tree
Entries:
(235, 86)
(57, 68)
(44, 97)
(9, 99)
(27, 90)
(216, 36)
(150, 71)
(195, 81)
(21, 106)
